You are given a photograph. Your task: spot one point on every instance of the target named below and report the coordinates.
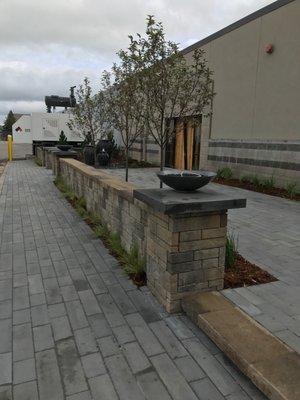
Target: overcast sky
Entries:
(48, 46)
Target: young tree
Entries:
(172, 86)
(9, 121)
(89, 116)
(124, 102)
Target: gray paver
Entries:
(93, 365)
(206, 390)
(26, 391)
(24, 371)
(5, 368)
(135, 357)
(169, 341)
(189, 368)
(43, 337)
(123, 334)
(144, 335)
(49, 382)
(22, 342)
(80, 396)
(61, 328)
(102, 388)
(72, 372)
(85, 341)
(152, 386)
(76, 314)
(5, 309)
(5, 335)
(123, 380)
(89, 302)
(172, 378)
(39, 315)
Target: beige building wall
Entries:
(258, 94)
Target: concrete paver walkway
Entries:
(268, 233)
(72, 326)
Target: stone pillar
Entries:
(56, 155)
(186, 240)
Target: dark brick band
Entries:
(256, 145)
(261, 163)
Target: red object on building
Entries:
(269, 48)
(19, 129)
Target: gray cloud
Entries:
(47, 46)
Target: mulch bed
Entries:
(249, 186)
(244, 273)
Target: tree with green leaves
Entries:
(125, 103)
(9, 121)
(89, 116)
(171, 85)
(62, 138)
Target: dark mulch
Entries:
(249, 186)
(244, 273)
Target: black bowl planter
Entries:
(64, 147)
(186, 181)
(89, 155)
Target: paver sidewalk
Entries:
(72, 326)
(268, 233)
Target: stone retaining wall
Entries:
(184, 252)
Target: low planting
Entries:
(240, 272)
(133, 264)
(257, 184)
(224, 173)
(38, 162)
(292, 190)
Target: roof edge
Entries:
(243, 21)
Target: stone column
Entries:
(56, 155)
(186, 238)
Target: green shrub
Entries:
(114, 241)
(224, 173)
(95, 219)
(231, 251)
(38, 162)
(245, 178)
(268, 183)
(255, 180)
(291, 189)
(135, 265)
(62, 138)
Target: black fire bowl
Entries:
(186, 181)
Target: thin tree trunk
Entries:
(161, 162)
(126, 165)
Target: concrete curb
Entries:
(271, 365)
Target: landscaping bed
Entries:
(273, 191)
(244, 273)
(257, 184)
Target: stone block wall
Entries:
(184, 252)
(111, 198)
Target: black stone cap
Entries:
(168, 201)
(70, 153)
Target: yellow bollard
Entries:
(9, 147)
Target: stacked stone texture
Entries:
(184, 253)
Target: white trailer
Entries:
(44, 128)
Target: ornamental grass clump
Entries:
(231, 251)
(224, 173)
